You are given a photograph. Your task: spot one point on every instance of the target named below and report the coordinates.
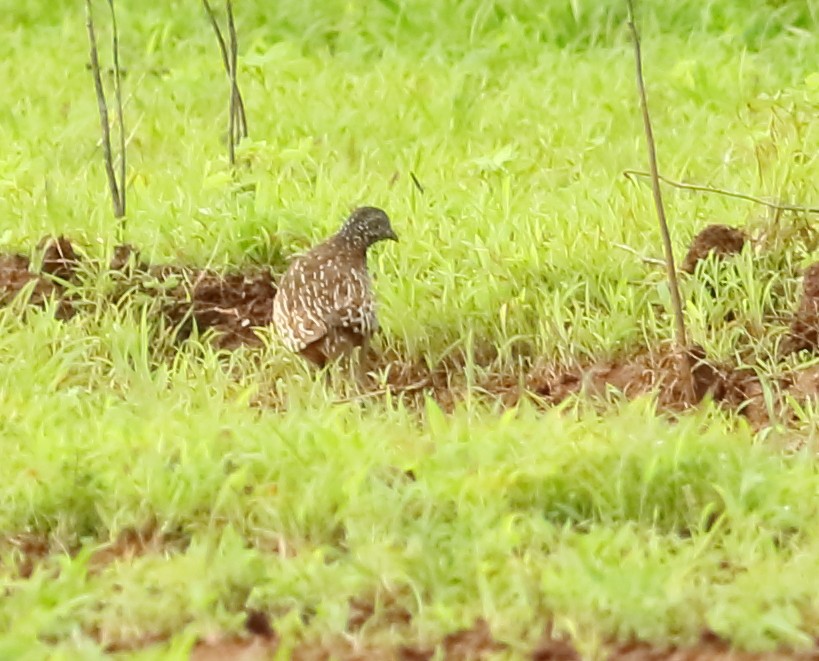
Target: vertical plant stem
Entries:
(103, 110)
(237, 119)
(241, 119)
(232, 140)
(671, 271)
(120, 118)
(234, 72)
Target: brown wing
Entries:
(325, 289)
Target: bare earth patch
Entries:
(231, 305)
(474, 644)
(718, 240)
(27, 550)
(804, 328)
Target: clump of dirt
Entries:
(127, 258)
(709, 648)
(719, 240)
(377, 610)
(805, 383)
(234, 648)
(257, 623)
(659, 370)
(58, 266)
(59, 258)
(477, 643)
(804, 327)
(15, 275)
(28, 549)
(132, 543)
(473, 643)
(551, 648)
(231, 304)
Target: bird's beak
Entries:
(393, 236)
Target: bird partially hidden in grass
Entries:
(324, 307)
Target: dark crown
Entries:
(366, 226)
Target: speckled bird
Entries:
(324, 306)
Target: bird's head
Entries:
(366, 226)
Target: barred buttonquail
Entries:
(324, 306)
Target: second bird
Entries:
(324, 306)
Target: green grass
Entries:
(518, 120)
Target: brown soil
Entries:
(59, 258)
(230, 304)
(804, 328)
(710, 648)
(133, 543)
(234, 649)
(661, 372)
(477, 643)
(28, 550)
(15, 275)
(718, 240)
(384, 611)
(474, 643)
(641, 373)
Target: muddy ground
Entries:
(230, 306)
(469, 644)
(367, 625)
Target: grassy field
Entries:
(153, 495)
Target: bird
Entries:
(324, 307)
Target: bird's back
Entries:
(325, 293)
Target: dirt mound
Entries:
(16, 275)
(126, 257)
(719, 240)
(639, 374)
(804, 328)
(59, 258)
(477, 643)
(231, 304)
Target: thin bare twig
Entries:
(219, 38)
(239, 107)
(103, 110)
(726, 193)
(240, 104)
(232, 136)
(648, 260)
(673, 284)
(237, 119)
(416, 182)
(120, 118)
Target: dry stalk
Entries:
(237, 119)
(120, 120)
(117, 193)
(232, 124)
(700, 188)
(673, 284)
